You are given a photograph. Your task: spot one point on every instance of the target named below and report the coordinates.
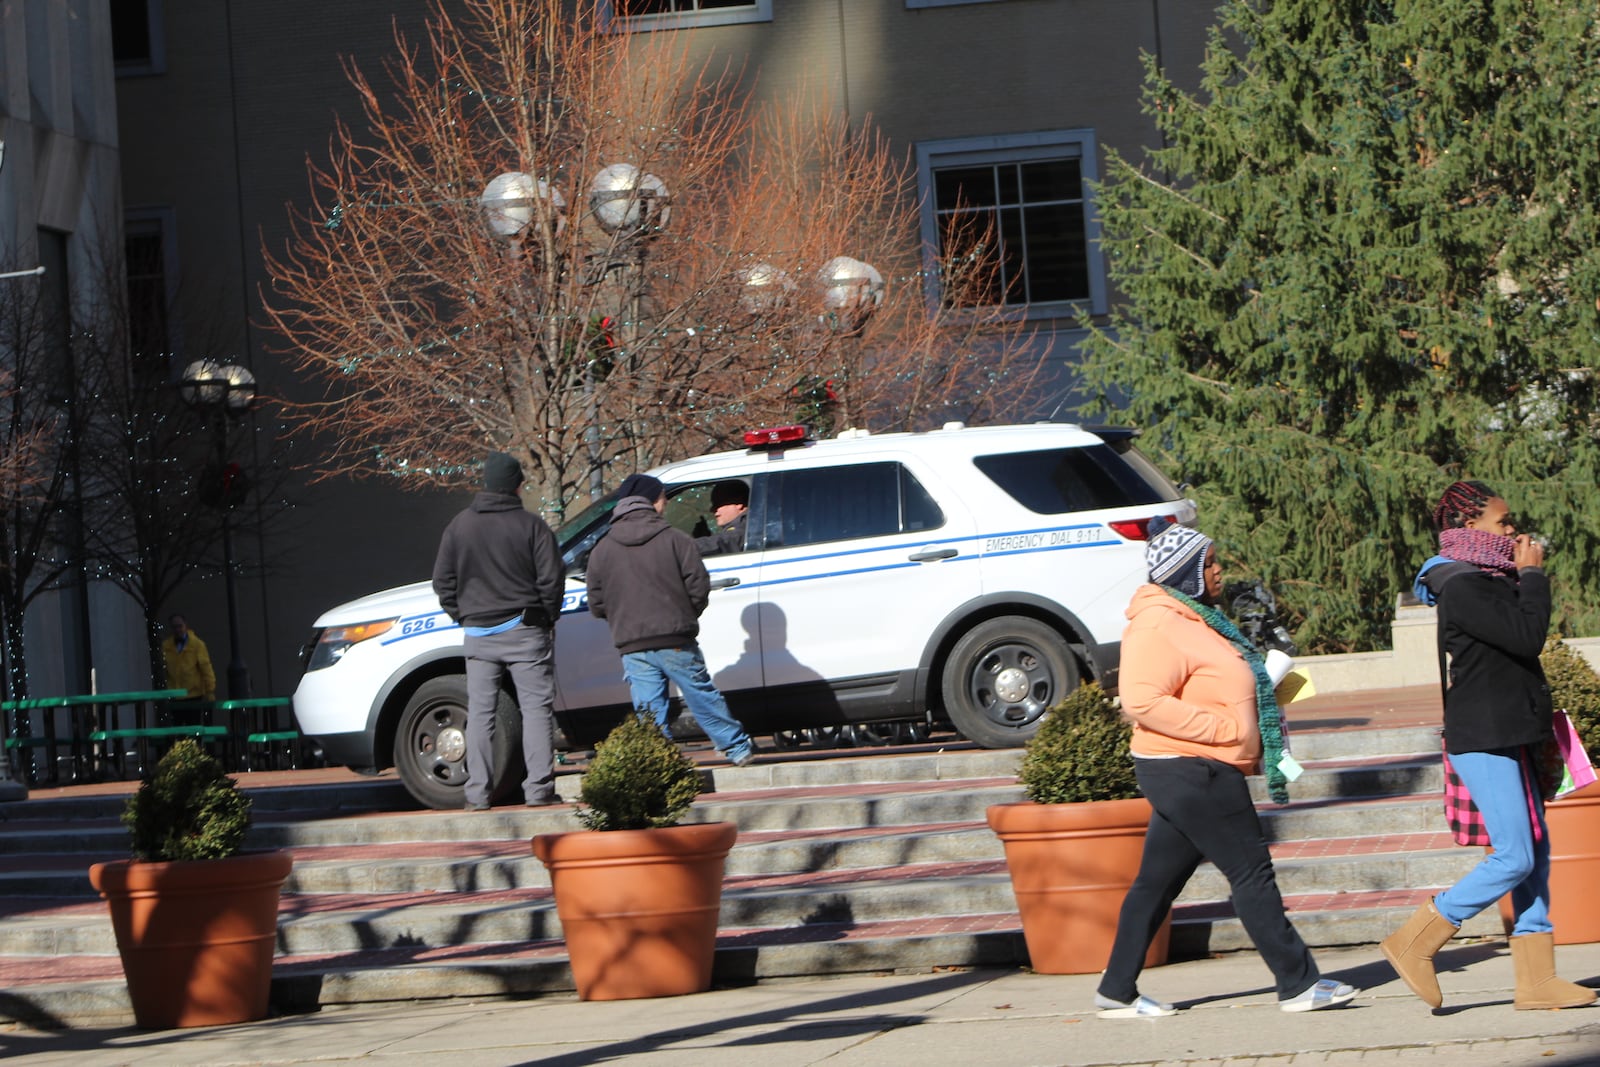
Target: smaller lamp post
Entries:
(223, 393)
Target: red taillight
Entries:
(774, 436)
(1138, 529)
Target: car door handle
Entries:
(933, 555)
(724, 583)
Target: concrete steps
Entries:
(850, 863)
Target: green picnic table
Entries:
(260, 729)
(94, 719)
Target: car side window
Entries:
(844, 503)
(689, 509)
(1061, 480)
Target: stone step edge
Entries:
(1208, 912)
(1313, 851)
(737, 797)
(496, 850)
(763, 836)
(303, 984)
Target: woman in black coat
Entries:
(1493, 614)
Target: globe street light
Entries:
(763, 288)
(627, 201)
(852, 291)
(512, 200)
(222, 393)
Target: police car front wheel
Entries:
(430, 743)
(1003, 675)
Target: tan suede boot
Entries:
(1410, 950)
(1534, 957)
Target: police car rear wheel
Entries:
(430, 744)
(1002, 675)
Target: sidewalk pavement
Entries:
(1009, 1017)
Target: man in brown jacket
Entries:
(646, 579)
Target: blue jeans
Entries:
(648, 674)
(1519, 864)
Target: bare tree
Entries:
(34, 468)
(654, 268)
(155, 477)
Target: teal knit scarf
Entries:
(1269, 717)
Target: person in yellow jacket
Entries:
(188, 662)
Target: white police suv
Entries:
(974, 575)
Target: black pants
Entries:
(1203, 811)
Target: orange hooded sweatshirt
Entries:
(1187, 689)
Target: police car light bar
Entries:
(775, 436)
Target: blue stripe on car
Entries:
(575, 602)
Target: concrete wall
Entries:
(1413, 658)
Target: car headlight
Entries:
(332, 643)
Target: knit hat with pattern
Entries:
(1176, 556)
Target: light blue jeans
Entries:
(1519, 864)
(648, 674)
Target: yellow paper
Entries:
(1296, 685)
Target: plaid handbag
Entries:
(1466, 821)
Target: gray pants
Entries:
(528, 653)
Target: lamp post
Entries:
(222, 393)
(629, 206)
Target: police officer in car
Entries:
(730, 505)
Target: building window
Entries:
(1028, 197)
(640, 15)
(914, 4)
(138, 45)
(146, 236)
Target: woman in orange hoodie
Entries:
(1203, 711)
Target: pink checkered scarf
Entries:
(1491, 551)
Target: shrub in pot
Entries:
(1574, 820)
(195, 917)
(637, 893)
(1073, 847)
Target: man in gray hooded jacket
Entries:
(498, 573)
(646, 579)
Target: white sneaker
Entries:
(1324, 993)
(1140, 1007)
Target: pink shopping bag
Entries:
(1577, 770)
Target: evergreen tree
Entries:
(1363, 264)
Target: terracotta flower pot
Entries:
(639, 908)
(1071, 865)
(1574, 823)
(196, 936)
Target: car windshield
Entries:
(577, 535)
